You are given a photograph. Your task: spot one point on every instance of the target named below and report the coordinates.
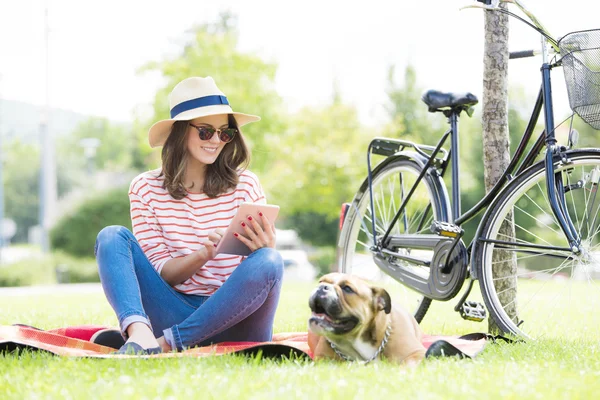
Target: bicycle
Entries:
(537, 241)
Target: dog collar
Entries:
(386, 337)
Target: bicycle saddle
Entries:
(437, 101)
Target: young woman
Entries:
(169, 289)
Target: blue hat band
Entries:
(198, 103)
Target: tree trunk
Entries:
(496, 146)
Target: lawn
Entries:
(563, 368)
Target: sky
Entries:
(96, 48)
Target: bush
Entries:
(49, 269)
(316, 229)
(76, 233)
(69, 269)
(323, 258)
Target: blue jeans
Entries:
(243, 309)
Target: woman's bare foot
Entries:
(141, 334)
(164, 345)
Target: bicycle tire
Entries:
(542, 273)
(360, 210)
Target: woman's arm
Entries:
(180, 269)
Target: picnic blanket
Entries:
(75, 342)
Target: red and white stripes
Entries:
(167, 228)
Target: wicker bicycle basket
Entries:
(581, 62)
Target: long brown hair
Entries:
(220, 176)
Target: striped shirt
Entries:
(167, 228)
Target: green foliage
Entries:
(323, 258)
(76, 234)
(408, 114)
(246, 79)
(21, 175)
(116, 144)
(48, 269)
(319, 163)
(314, 228)
(21, 186)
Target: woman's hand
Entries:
(208, 251)
(178, 270)
(256, 237)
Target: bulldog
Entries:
(352, 320)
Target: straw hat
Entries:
(194, 98)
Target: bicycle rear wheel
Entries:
(533, 285)
(392, 180)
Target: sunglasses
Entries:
(226, 135)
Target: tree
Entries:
(21, 186)
(320, 162)
(21, 175)
(116, 145)
(496, 144)
(76, 233)
(408, 114)
(246, 79)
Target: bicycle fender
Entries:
(441, 192)
(507, 187)
(440, 186)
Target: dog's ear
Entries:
(382, 300)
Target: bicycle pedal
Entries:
(446, 229)
(472, 311)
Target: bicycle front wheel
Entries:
(391, 183)
(533, 285)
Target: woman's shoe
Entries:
(134, 349)
(109, 338)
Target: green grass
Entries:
(560, 368)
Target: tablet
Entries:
(229, 244)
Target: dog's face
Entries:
(343, 305)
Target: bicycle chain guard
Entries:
(448, 284)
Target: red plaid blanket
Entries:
(74, 342)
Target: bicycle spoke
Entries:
(544, 193)
(512, 288)
(527, 271)
(385, 208)
(415, 219)
(526, 247)
(530, 272)
(379, 208)
(532, 234)
(520, 258)
(367, 247)
(597, 209)
(551, 215)
(390, 185)
(585, 215)
(393, 202)
(378, 226)
(536, 219)
(573, 203)
(597, 231)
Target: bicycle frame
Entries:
(519, 162)
(555, 187)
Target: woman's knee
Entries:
(271, 262)
(110, 235)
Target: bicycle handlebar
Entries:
(521, 54)
(494, 5)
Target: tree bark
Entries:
(496, 148)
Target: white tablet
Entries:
(229, 244)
